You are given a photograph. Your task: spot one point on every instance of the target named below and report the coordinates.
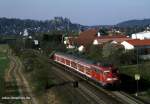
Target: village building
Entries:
(70, 42)
(141, 35)
(142, 46)
(84, 39)
(112, 39)
(92, 37)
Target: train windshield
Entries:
(106, 65)
(107, 72)
(103, 64)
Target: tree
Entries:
(112, 53)
(95, 53)
(129, 57)
(104, 31)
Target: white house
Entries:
(95, 42)
(81, 48)
(127, 45)
(36, 42)
(25, 33)
(113, 39)
(141, 35)
(70, 46)
(143, 47)
(69, 42)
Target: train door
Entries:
(95, 74)
(100, 75)
(107, 75)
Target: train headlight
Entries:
(109, 79)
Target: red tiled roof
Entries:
(117, 38)
(137, 42)
(87, 37)
(111, 37)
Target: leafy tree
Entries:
(95, 53)
(112, 53)
(103, 31)
(38, 69)
(129, 57)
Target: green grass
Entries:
(4, 63)
(130, 70)
(142, 69)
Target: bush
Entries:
(129, 57)
(38, 69)
(112, 53)
(95, 53)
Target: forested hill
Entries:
(12, 26)
(134, 23)
(17, 26)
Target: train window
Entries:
(73, 64)
(106, 72)
(87, 70)
(67, 62)
(81, 67)
(96, 70)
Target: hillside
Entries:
(134, 23)
(13, 26)
(17, 26)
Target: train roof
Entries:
(82, 60)
(73, 57)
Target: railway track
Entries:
(15, 77)
(94, 92)
(24, 87)
(88, 90)
(106, 97)
(88, 97)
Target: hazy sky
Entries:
(87, 12)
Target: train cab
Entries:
(106, 74)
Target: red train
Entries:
(101, 73)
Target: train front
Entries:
(111, 75)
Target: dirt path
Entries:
(17, 88)
(22, 80)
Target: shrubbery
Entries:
(112, 53)
(38, 69)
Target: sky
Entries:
(86, 12)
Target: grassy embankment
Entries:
(4, 64)
(128, 73)
(43, 78)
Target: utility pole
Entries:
(137, 76)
